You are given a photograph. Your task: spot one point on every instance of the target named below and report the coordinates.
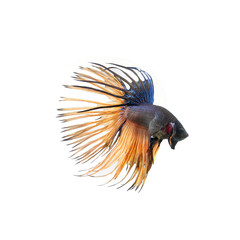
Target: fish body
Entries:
(127, 130)
(156, 119)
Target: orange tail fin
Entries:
(110, 134)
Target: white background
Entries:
(191, 49)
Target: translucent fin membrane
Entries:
(106, 132)
(133, 150)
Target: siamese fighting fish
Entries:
(120, 135)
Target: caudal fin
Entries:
(110, 135)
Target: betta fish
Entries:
(124, 133)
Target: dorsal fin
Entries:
(139, 87)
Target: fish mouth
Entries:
(182, 134)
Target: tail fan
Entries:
(110, 134)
